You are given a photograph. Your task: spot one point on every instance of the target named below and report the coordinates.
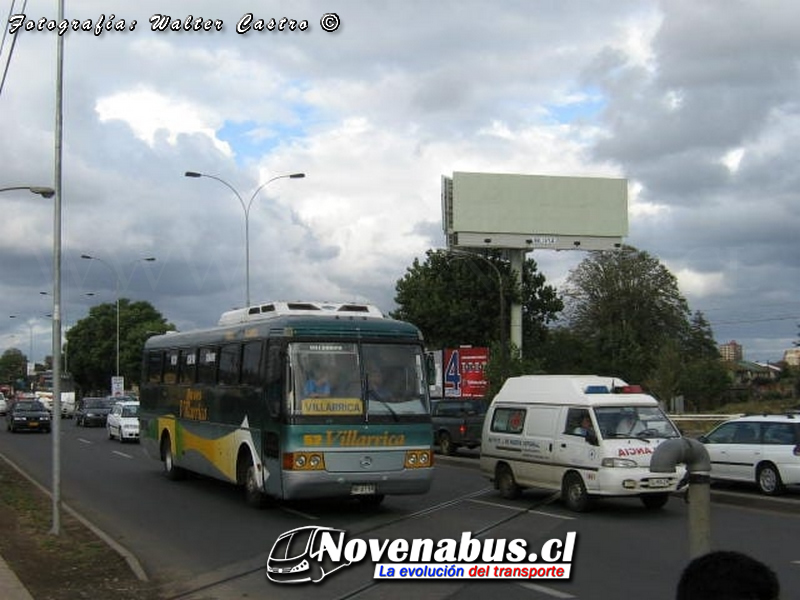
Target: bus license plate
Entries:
(362, 489)
(659, 483)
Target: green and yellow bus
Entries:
(292, 400)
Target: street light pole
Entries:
(468, 255)
(246, 209)
(116, 285)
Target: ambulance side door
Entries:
(573, 444)
(539, 444)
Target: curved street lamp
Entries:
(246, 209)
(44, 192)
(464, 255)
(116, 278)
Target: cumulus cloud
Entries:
(689, 101)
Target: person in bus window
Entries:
(376, 389)
(317, 385)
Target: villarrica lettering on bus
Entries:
(351, 438)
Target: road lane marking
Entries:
(123, 454)
(299, 513)
(546, 590)
(523, 509)
(85, 441)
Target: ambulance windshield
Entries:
(634, 422)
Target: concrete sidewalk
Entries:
(11, 587)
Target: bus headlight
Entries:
(418, 459)
(303, 461)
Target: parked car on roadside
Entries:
(762, 449)
(457, 423)
(3, 405)
(92, 411)
(29, 415)
(123, 422)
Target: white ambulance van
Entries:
(587, 436)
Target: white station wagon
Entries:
(764, 449)
(123, 421)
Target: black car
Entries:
(92, 411)
(30, 415)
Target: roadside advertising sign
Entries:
(465, 372)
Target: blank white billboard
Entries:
(534, 211)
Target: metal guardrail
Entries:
(704, 417)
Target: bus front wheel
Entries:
(253, 495)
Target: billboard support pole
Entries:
(517, 261)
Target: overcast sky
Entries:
(696, 104)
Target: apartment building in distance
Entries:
(731, 352)
(792, 357)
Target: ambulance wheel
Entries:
(506, 483)
(574, 494)
(654, 501)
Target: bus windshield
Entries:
(362, 381)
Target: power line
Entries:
(762, 320)
(13, 42)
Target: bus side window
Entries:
(207, 366)
(229, 359)
(251, 364)
(171, 367)
(154, 359)
(275, 366)
(188, 364)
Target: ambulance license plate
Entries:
(660, 482)
(362, 489)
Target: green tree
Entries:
(456, 299)
(664, 382)
(91, 343)
(13, 366)
(565, 352)
(626, 305)
(704, 378)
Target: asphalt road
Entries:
(199, 541)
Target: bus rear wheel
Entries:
(171, 470)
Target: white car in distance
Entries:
(123, 421)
